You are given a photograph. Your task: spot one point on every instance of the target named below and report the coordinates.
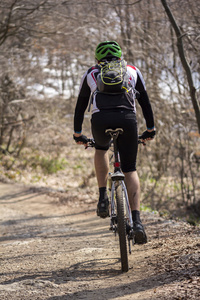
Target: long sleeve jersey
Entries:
(88, 87)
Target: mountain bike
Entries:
(121, 222)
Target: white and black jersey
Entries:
(100, 101)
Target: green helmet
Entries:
(108, 49)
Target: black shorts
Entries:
(127, 142)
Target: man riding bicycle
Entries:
(115, 110)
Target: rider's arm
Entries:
(144, 102)
(81, 105)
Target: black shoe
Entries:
(103, 208)
(139, 233)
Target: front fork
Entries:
(113, 212)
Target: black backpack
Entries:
(113, 77)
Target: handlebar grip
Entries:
(140, 141)
(90, 142)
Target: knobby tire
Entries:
(121, 225)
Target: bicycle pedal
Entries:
(131, 235)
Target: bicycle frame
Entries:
(116, 178)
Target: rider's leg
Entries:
(133, 188)
(101, 162)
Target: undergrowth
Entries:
(34, 161)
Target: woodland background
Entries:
(45, 48)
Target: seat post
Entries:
(114, 133)
(116, 153)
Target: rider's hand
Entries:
(80, 139)
(148, 135)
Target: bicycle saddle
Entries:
(114, 131)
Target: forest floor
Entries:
(55, 247)
(52, 244)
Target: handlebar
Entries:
(91, 142)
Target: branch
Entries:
(19, 18)
(103, 2)
(17, 123)
(4, 35)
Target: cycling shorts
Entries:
(127, 142)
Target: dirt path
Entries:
(53, 251)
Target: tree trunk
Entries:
(184, 61)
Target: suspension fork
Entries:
(127, 204)
(113, 213)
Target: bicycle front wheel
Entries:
(121, 225)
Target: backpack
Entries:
(113, 77)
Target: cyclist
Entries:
(115, 111)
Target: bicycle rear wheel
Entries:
(121, 225)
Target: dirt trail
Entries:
(53, 251)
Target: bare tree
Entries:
(184, 61)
